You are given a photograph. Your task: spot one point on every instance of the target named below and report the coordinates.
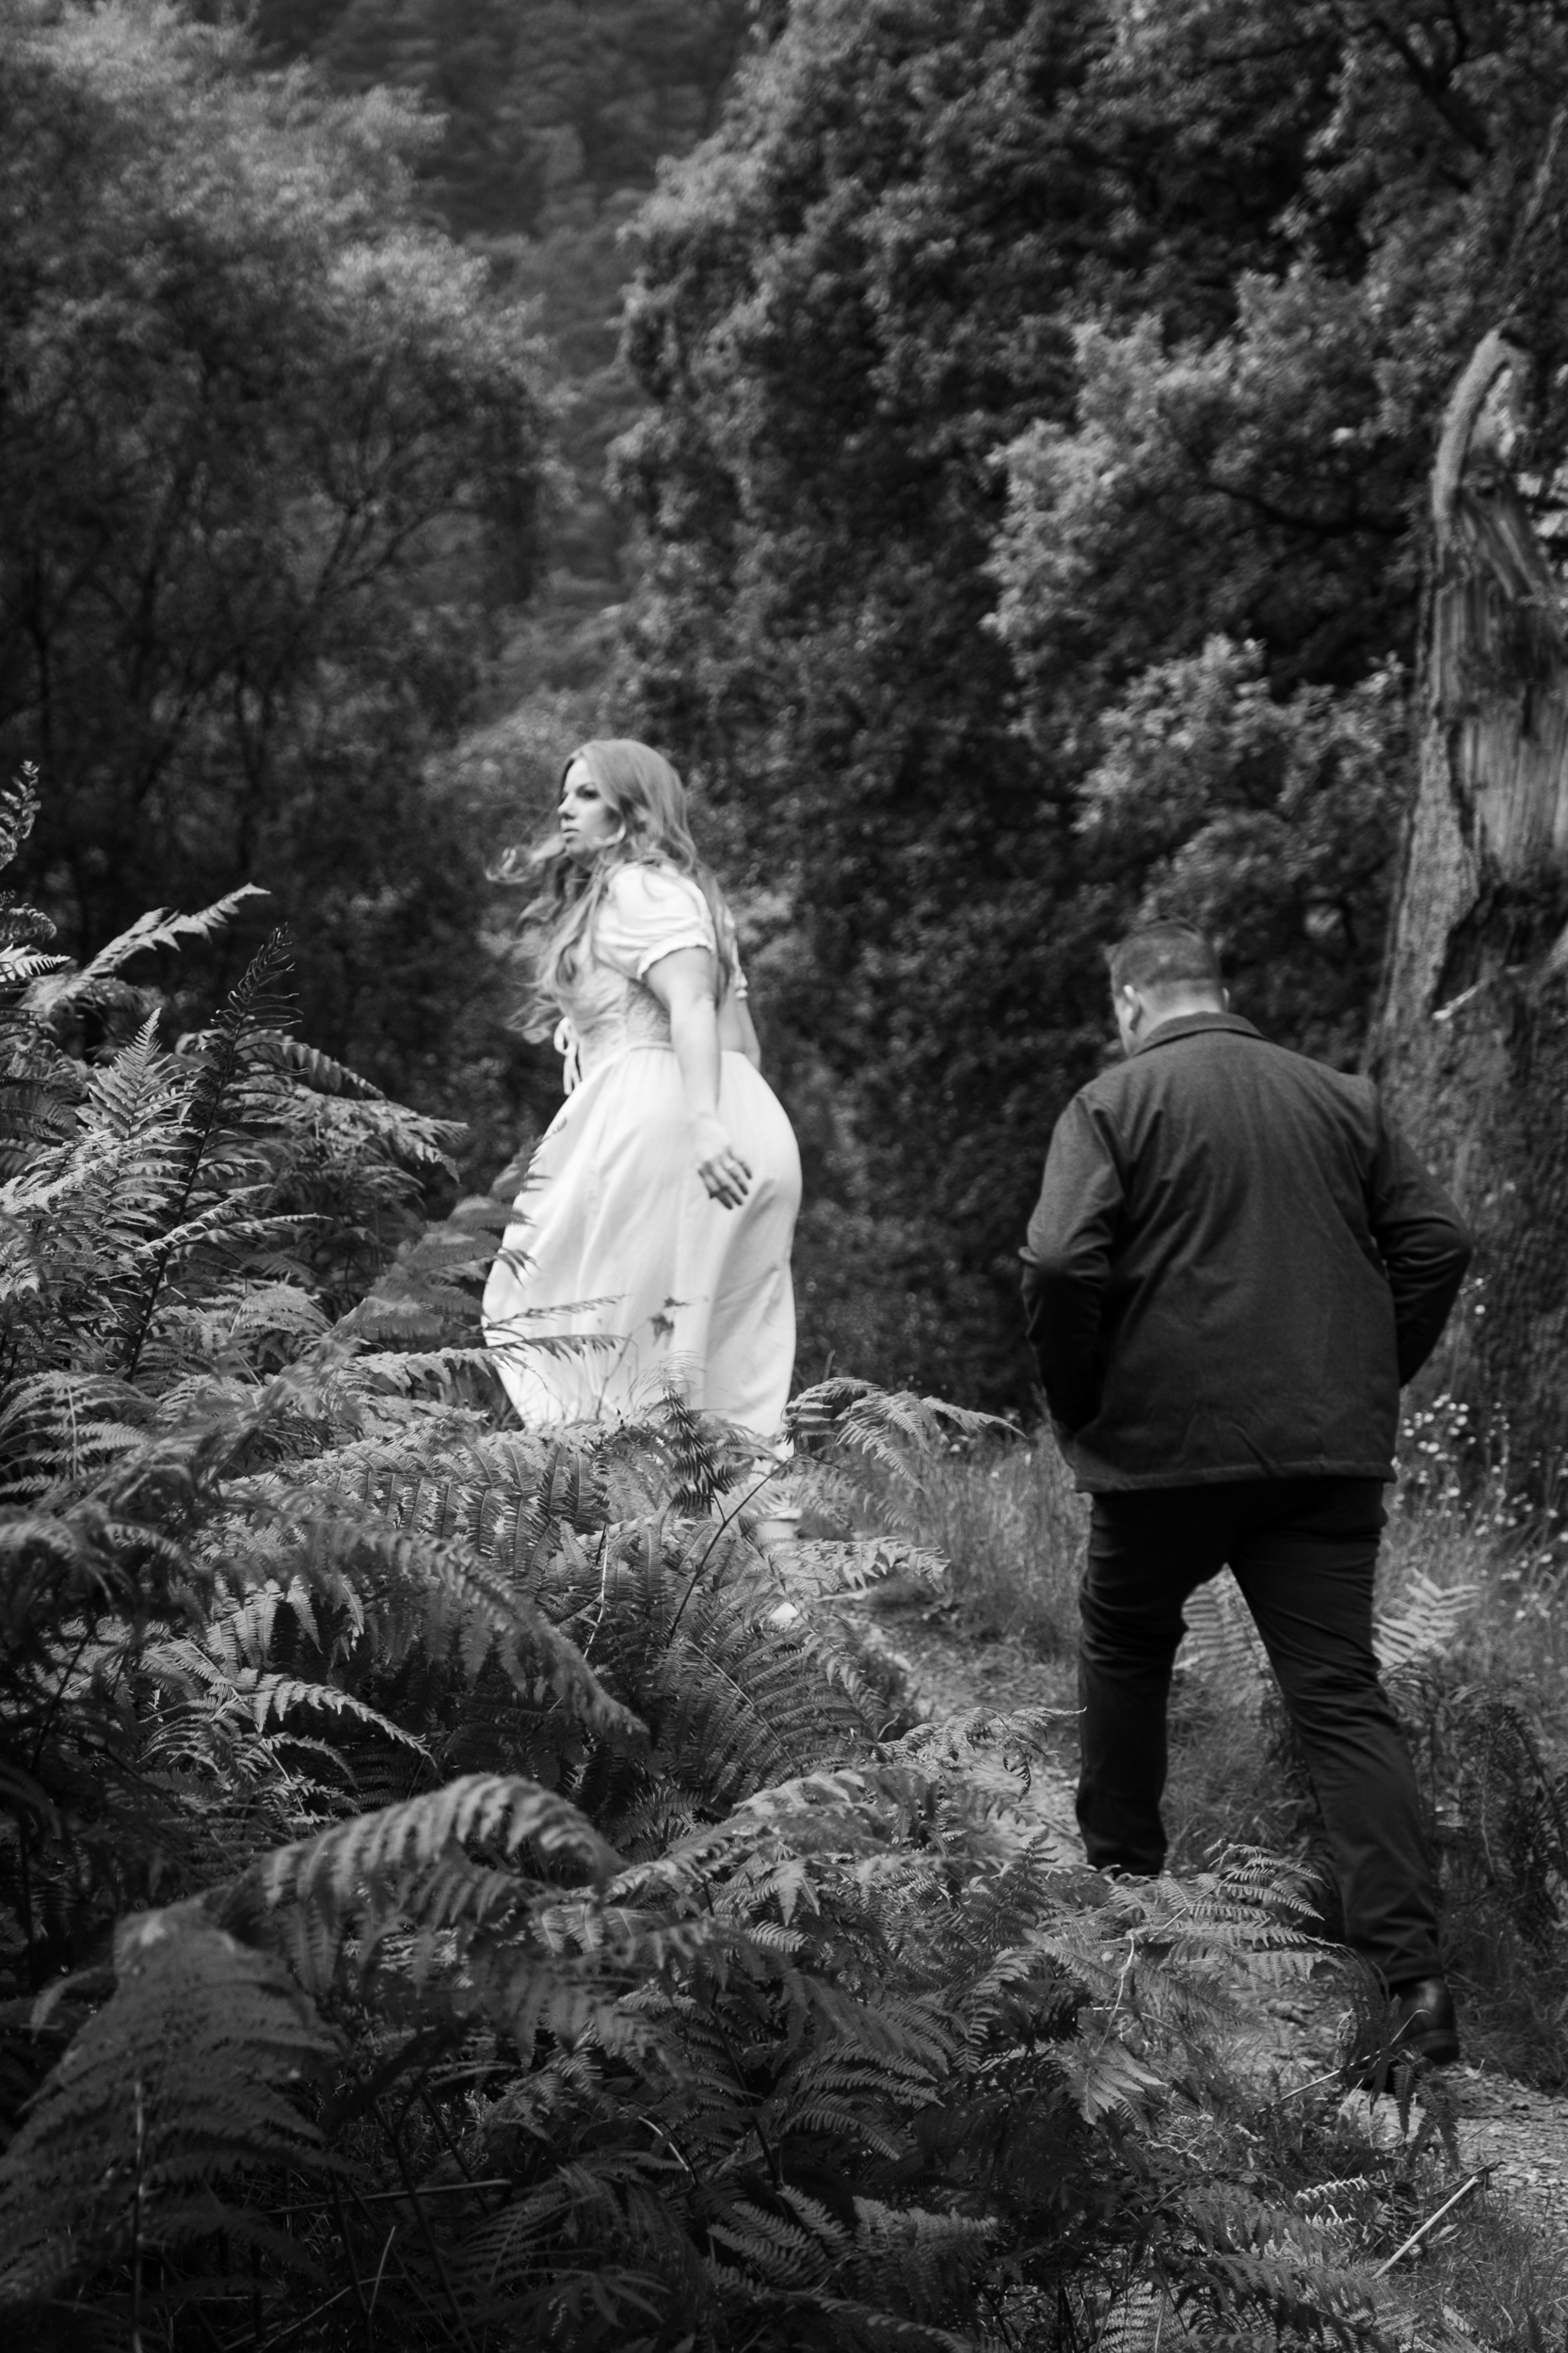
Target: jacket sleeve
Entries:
(1067, 1260)
(1425, 1244)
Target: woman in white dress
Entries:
(658, 1211)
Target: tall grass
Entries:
(1004, 1513)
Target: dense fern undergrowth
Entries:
(449, 1896)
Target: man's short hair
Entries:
(1165, 956)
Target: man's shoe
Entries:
(1423, 2023)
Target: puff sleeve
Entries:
(647, 912)
(733, 942)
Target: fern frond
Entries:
(1220, 1645)
(915, 2256)
(1263, 2260)
(1104, 2076)
(1425, 1623)
(163, 928)
(821, 1567)
(229, 1220)
(696, 1454)
(392, 1861)
(274, 1051)
(262, 1698)
(411, 1589)
(895, 1428)
(181, 2077)
(1135, 2321)
(19, 966)
(61, 1430)
(141, 1095)
(235, 1323)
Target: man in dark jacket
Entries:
(1233, 1266)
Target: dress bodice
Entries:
(607, 1007)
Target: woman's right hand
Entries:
(724, 1173)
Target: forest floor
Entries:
(1517, 2134)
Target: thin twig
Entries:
(375, 2284)
(1432, 2220)
(1315, 2085)
(389, 2197)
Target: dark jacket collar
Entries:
(1190, 1025)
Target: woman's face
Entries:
(588, 820)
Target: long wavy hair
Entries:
(645, 794)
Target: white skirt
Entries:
(617, 1244)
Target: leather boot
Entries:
(1423, 2023)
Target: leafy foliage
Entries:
(1271, 823)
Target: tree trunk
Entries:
(1471, 1041)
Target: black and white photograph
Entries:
(784, 1175)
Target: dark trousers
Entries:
(1302, 1551)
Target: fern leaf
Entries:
(1220, 1645)
(271, 1698)
(59, 1430)
(230, 1219)
(1425, 1622)
(275, 1051)
(916, 2257)
(182, 2076)
(163, 928)
(440, 1593)
(263, 1699)
(1135, 2321)
(893, 1427)
(21, 966)
(1104, 2076)
(390, 1861)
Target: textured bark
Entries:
(1471, 1043)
